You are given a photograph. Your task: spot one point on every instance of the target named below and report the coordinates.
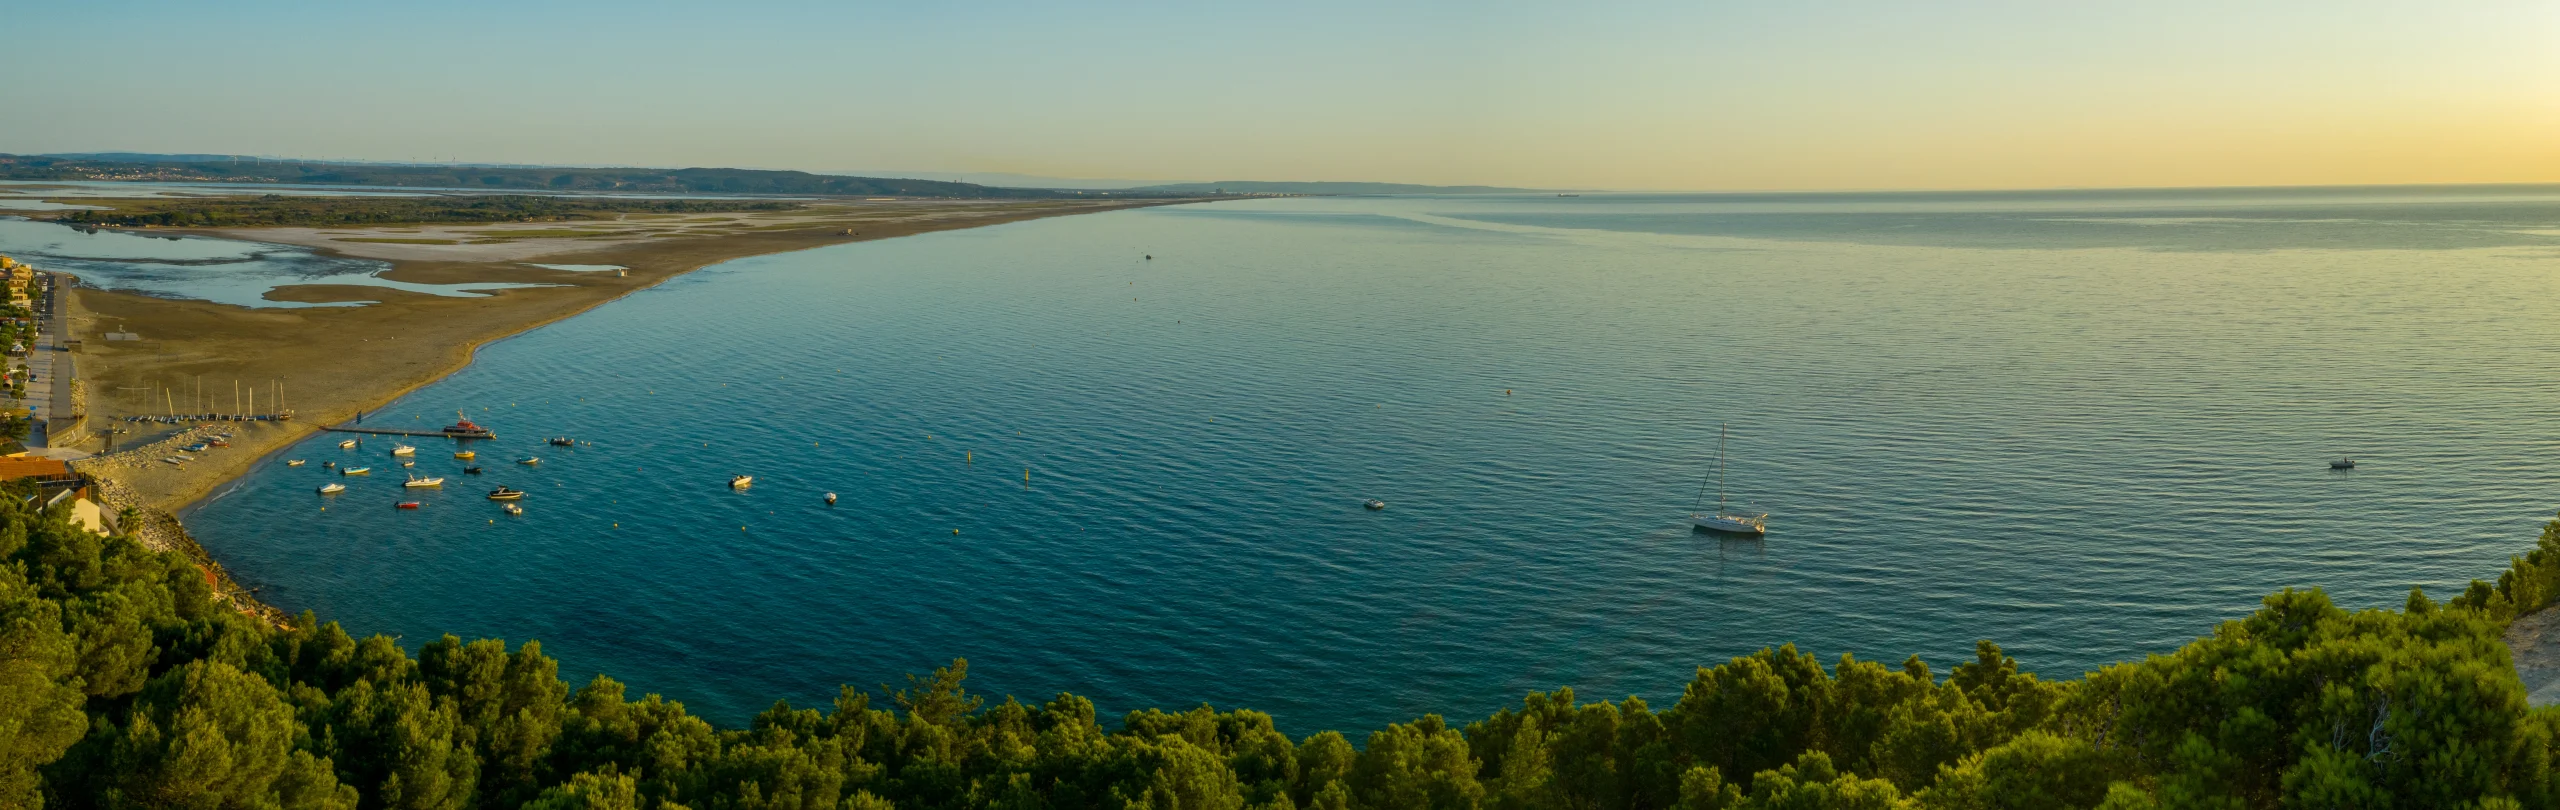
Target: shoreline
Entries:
(160, 511)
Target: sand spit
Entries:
(330, 362)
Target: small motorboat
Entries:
(293, 462)
(410, 504)
(332, 489)
(513, 509)
(347, 445)
(831, 499)
(466, 455)
(1374, 503)
(415, 481)
(408, 463)
(741, 481)
(2343, 464)
(404, 450)
(563, 441)
(505, 494)
(328, 464)
(529, 460)
(471, 470)
(355, 471)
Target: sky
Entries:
(1817, 94)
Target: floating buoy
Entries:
(955, 531)
(831, 499)
(1374, 504)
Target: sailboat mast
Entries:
(1719, 468)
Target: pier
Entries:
(433, 434)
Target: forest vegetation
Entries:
(124, 683)
(276, 209)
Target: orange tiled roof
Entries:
(14, 468)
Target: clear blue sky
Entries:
(1694, 95)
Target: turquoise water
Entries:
(2088, 425)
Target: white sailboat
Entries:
(1724, 520)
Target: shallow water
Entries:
(2086, 425)
(219, 270)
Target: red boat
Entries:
(463, 428)
(408, 504)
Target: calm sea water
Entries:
(2087, 425)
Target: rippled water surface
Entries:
(2088, 425)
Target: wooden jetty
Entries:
(462, 428)
(432, 434)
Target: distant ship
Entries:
(1568, 195)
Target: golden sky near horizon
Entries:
(1638, 95)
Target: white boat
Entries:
(741, 481)
(403, 450)
(415, 481)
(181, 460)
(529, 460)
(332, 489)
(348, 444)
(1725, 520)
(293, 462)
(513, 509)
(355, 471)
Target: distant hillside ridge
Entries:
(1273, 187)
(499, 178)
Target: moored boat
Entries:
(1723, 520)
(466, 455)
(529, 460)
(513, 509)
(346, 445)
(410, 504)
(403, 450)
(423, 482)
(332, 489)
(741, 481)
(355, 471)
(293, 462)
(464, 428)
(504, 494)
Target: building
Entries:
(57, 485)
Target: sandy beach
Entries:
(330, 362)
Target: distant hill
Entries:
(227, 169)
(1270, 187)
